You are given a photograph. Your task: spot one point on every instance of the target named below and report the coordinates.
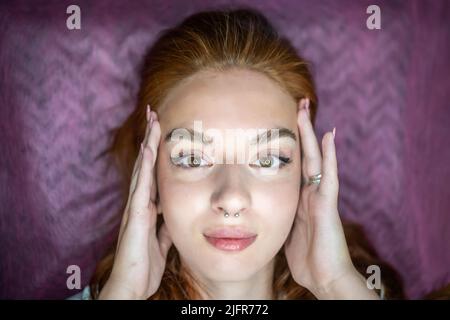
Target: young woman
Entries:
(197, 226)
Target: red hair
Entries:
(219, 40)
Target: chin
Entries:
(232, 267)
(230, 273)
(218, 266)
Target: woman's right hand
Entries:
(140, 257)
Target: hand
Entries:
(316, 250)
(140, 257)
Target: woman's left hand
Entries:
(316, 249)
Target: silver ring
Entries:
(315, 179)
(226, 214)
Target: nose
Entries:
(231, 193)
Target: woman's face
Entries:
(198, 181)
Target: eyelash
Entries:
(177, 160)
(283, 162)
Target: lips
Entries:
(230, 238)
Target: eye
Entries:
(190, 161)
(270, 161)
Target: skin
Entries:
(302, 221)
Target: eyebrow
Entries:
(262, 137)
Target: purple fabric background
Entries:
(386, 91)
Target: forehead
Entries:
(230, 99)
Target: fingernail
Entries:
(148, 113)
(142, 148)
(151, 119)
(334, 132)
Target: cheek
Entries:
(181, 203)
(176, 206)
(277, 205)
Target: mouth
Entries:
(230, 239)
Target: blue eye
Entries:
(270, 162)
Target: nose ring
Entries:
(226, 214)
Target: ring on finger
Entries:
(314, 179)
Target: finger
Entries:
(148, 126)
(154, 136)
(140, 199)
(136, 232)
(151, 115)
(132, 188)
(136, 169)
(153, 193)
(164, 240)
(329, 184)
(156, 141)
(138, 162)
(311, 153)
(141, 217)
(145, 180)
(151, 136)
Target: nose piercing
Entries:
(226, 214)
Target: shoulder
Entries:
(84, 294)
